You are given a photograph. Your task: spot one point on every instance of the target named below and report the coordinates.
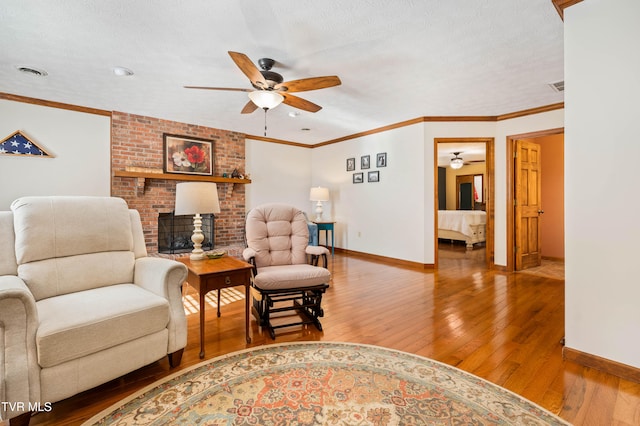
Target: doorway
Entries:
(548, 217)
(486, 187)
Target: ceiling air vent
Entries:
(32, 71)
(558, 86)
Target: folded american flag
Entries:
(19, 144)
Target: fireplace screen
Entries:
(174, 233)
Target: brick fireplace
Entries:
(136, 141)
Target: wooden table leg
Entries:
(202, 305)
(246, 310)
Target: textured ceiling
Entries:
(398, 60)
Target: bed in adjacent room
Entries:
(462, 225)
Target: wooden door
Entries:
(464, 192)
(528, 208)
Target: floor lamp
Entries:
(197, 198)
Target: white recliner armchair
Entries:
(80, 302)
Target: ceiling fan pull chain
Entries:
(265, 122)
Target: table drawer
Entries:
(227, 279)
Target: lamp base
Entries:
(318, 212)
(198, 237)
(197, 256)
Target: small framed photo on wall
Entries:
(358, 177)
(365, 162)
(351, 164)
(373, 176)
(381, 159)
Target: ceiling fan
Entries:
(269, 87)
(457, 162)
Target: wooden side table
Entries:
(216, 274)
(326, 226)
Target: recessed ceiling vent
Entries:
(32, 71)
(558, 86)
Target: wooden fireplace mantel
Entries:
(143, 176)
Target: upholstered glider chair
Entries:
(286, 272)
(80, 302)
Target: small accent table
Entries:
(216, 274)
(326, 226)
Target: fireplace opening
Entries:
(174, 233)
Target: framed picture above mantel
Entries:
(187, 155)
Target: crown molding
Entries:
(273, 140)
(53, 104)
(386, 128)
(494, 118)
(561, 5)
(530, 111)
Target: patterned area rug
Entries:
(324, 384)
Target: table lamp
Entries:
(196, 198)
(319, 194)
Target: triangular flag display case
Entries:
(19, 144)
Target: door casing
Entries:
(489, 194)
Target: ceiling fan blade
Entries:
(300, 103)
(249, 108)
(249, 69)
(313, 83)
(218, 88)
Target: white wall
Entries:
(602, 65)
(394, 217)
(279, 173)
(385, 218)
(79, 141)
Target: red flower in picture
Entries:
(195, 155)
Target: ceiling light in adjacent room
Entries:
(456, 162)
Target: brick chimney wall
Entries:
(138, 141)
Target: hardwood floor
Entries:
(504, 327)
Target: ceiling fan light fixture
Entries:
(456, 162)
(266, 99)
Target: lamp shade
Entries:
(319, 194)
(196, 198)
(266, 99)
